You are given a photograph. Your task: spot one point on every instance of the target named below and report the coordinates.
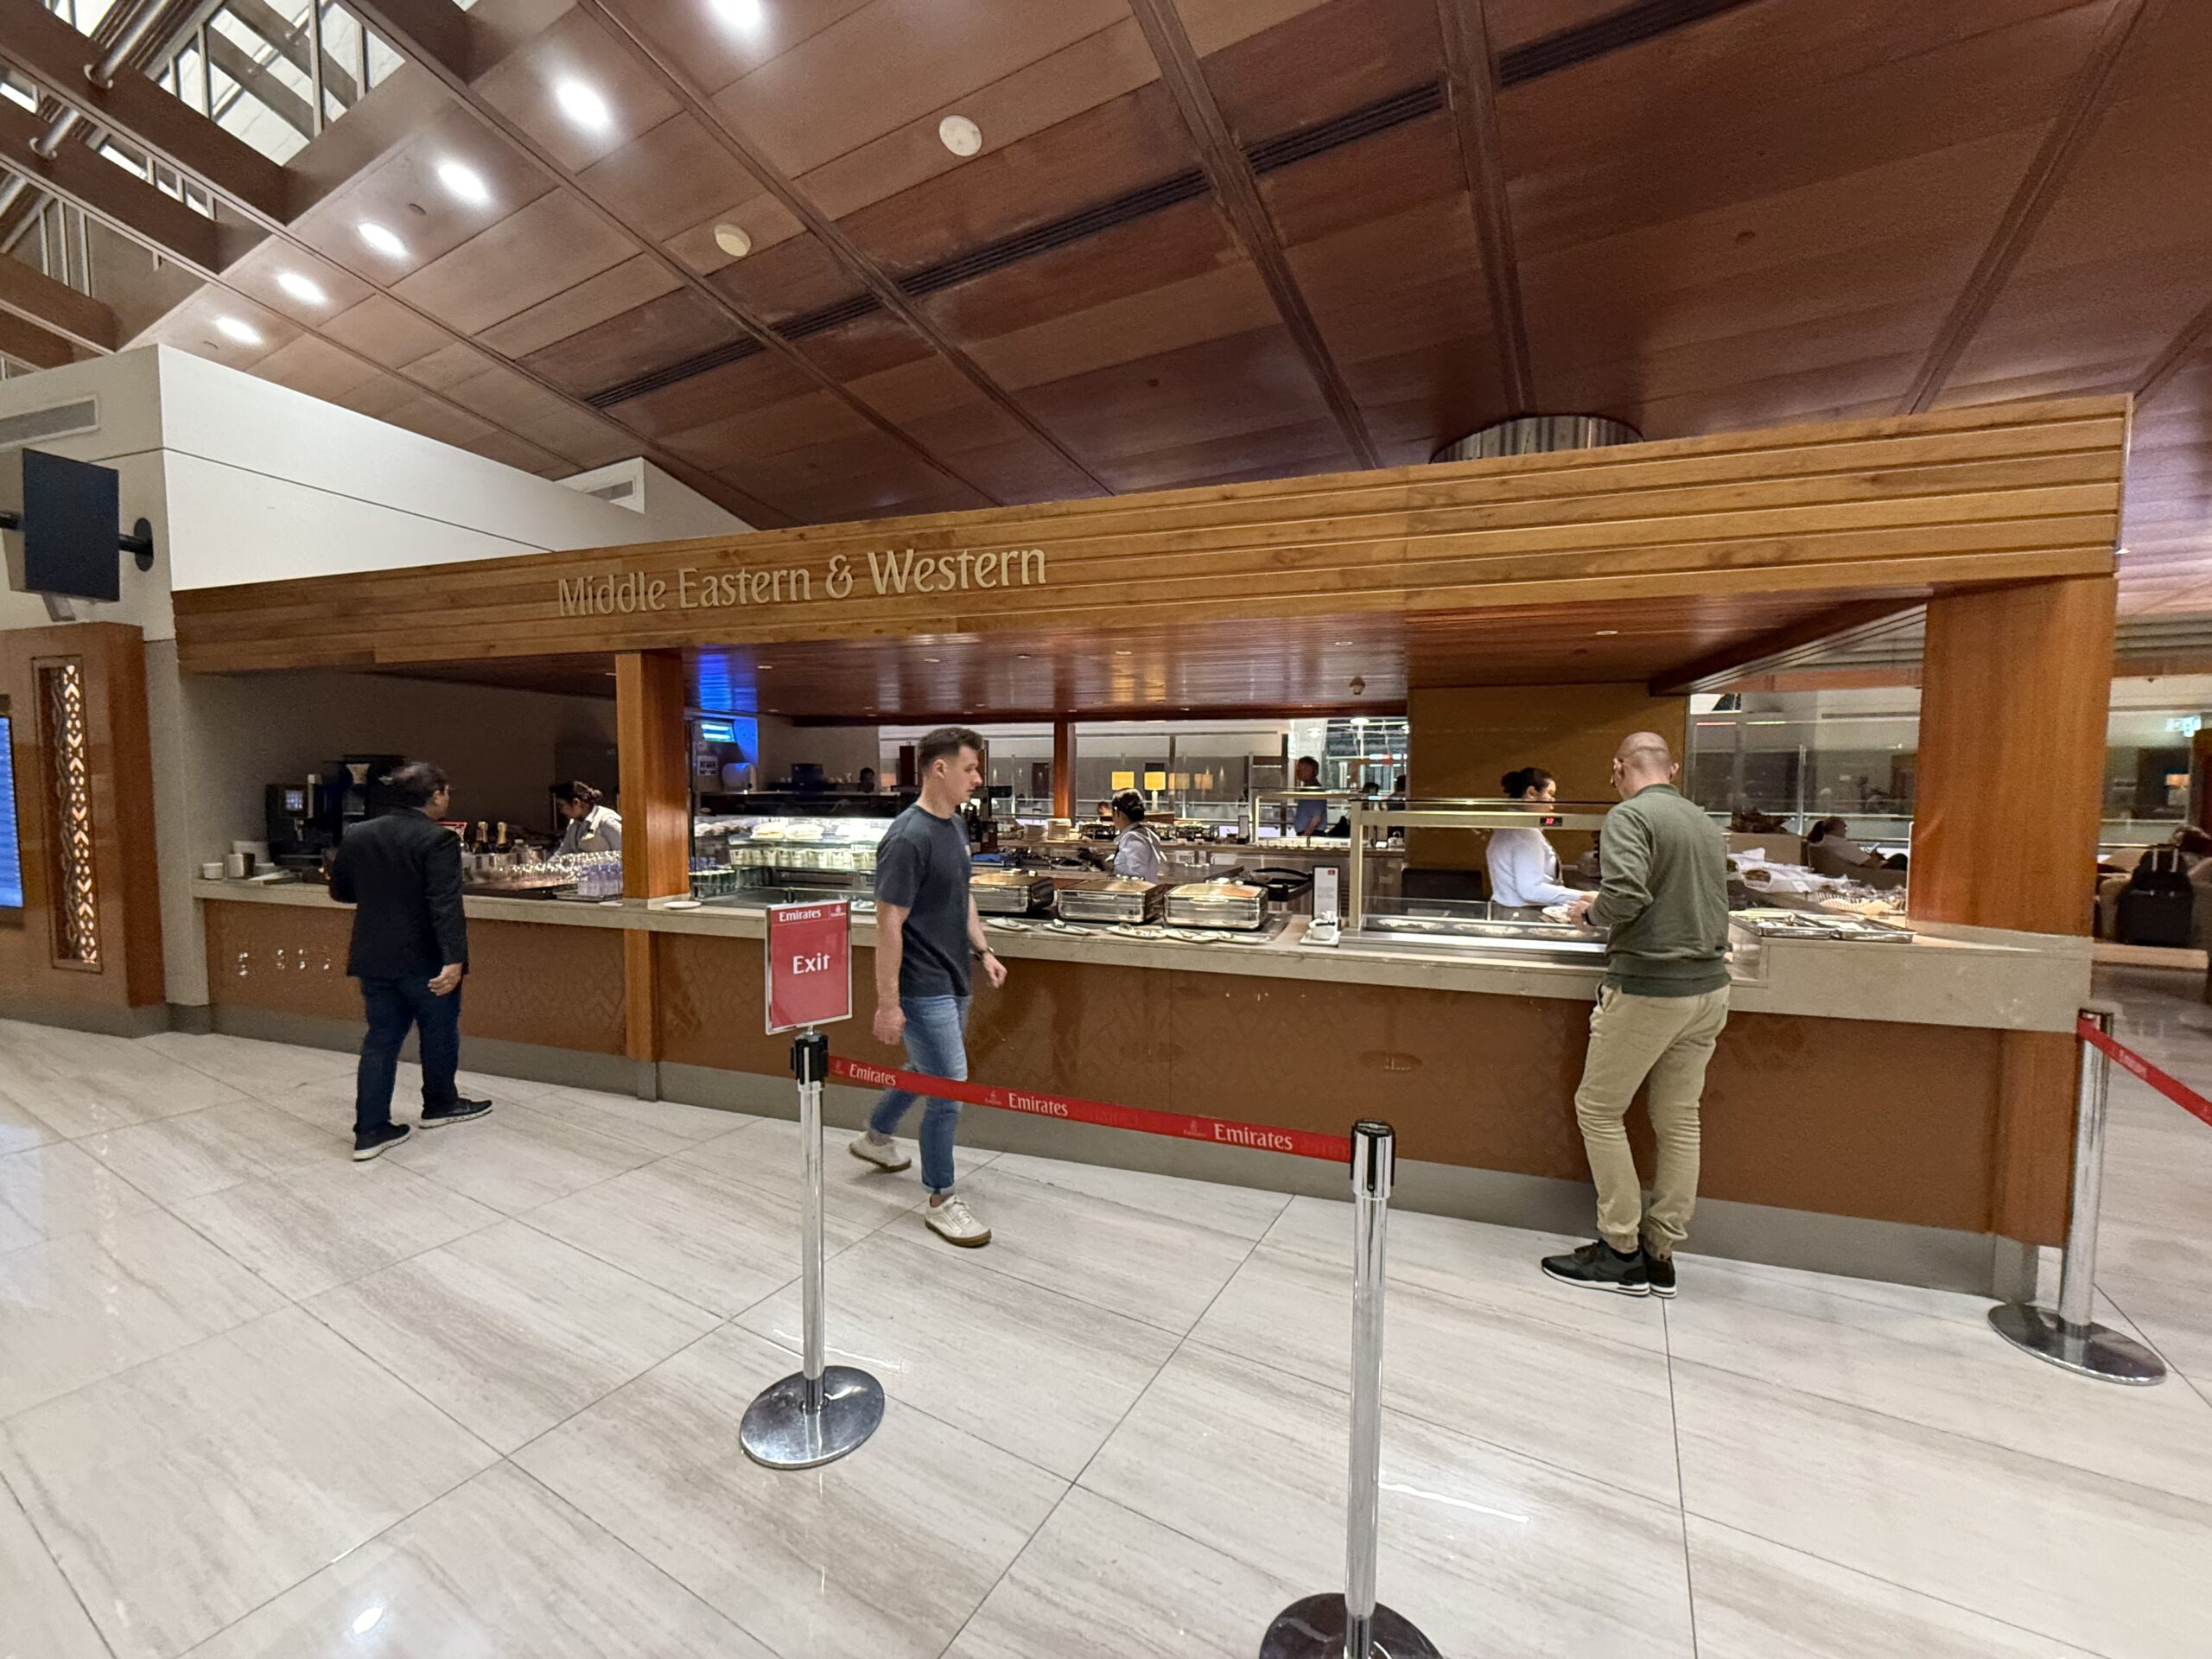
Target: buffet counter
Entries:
(1897, 1109)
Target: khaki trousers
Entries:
(1667, 1039)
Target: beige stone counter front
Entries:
(1945, 976)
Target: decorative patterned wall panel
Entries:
(75, 912)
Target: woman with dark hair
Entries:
(591, 828)
(1136, 848)
(1523, 868)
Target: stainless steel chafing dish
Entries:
(1011, 892)
(1217, 903)
(1485, 935)
(1814, 924)
(1113, 898)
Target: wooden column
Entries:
(1064, 769)
(649, 706)
(2016, 684)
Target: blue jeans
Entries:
(936, 1031)
(394, 1005)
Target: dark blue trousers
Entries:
(394, 1005)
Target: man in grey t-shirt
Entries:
(926, 933)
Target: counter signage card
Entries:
(810, 965)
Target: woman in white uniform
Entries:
(1523, 868)
(1137, 849)
(591, 828)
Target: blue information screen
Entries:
(11, 867)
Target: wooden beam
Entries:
(2038, 188)
(83, 178)
(700, 105)
(401, 22)
(56, 308)
(27, 343)
(53, 55)
(1063, 769)
(649, 704)
(436, 33)
(1239, 191)
(1471, 73)
(261, 83)
(290, 40)
(1748, 656)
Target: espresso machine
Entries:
(308, 818)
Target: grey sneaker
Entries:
(1598, 1266)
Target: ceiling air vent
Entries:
(736, 352)
(1056, 234)
(62, 421)
(830, 317)
(1365, 122)
(1632, 25)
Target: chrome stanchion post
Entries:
(2071, 1337)
(1354, 1625)
(821, 1411)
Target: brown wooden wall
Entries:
(556, 987)
(2011, 493)
(1933, 1125)
(120, 776)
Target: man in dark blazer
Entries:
(410, 951)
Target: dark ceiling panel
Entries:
(1324, 62)
(673, 327)
(673, 178)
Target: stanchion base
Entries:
(1314, 1628)
(2093, 1351)
(778, 1431)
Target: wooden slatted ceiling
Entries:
(1767, 216)
(1890, 506)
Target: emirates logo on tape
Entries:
(1239, 1135)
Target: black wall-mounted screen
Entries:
(11, 865)
(70, 509)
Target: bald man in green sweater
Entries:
(1663, 903)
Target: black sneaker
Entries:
(453, 1111)
(366, 1147)
(1598, 1266)
(1660, 1269)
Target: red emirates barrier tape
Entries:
(1260, 1137)
(2172, 1088)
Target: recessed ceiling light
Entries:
(932, 659)
(381, 240)
(1607, 633)
(305, 289)
(583, 106)
(465, 183)
(960, 135)
(1124, 653)
(733, 240)
(245, 332)
(765, 667)
(746, 13)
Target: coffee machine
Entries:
(307, 817)
(296, 840)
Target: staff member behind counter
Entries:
(1523, 868)
(1137, 849)
(591, 828)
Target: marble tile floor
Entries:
(479, 1401)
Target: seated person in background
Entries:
(1523, 868)
(1310, 816)
(1832, 833)
(866, 786)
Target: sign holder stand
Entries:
(821, 1412)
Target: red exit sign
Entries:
(810, 965)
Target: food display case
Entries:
(767, 860)
(1112, 898)
(1778, 923)
(1232, 906)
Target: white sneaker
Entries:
(884, 1156)
(956, 1224)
